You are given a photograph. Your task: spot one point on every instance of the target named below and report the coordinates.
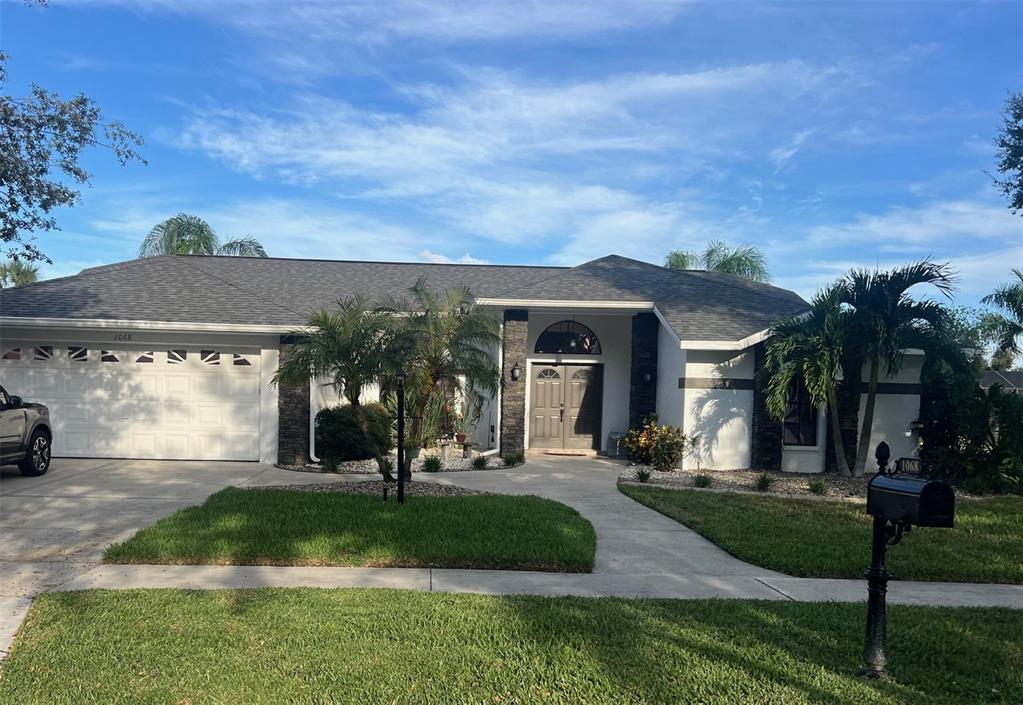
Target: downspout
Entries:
(500, 388)
(312, 423)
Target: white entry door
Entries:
(176, 403)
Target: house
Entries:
(171, 357)
(1008, 380)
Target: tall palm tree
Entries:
(745, 261)
(1008, 326)
(887, 321)
(15, 272)
(444, 344)
(347, 345)
(187, 234)
(810, 347)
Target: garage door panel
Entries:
(169, 406)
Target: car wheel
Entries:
(37, 459)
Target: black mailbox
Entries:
(911, 500)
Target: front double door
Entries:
(565, 406)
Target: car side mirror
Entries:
(15, 403)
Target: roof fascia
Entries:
(73, 323)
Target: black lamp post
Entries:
(401, 436)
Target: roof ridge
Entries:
(734, 281)
(370, 261)
(564, 271)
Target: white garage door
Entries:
(177, 403)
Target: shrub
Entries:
(432, 463)
(480, 462)
(331, 463)
(511, 459)
(353, 432)
(817, 486)
(643, 474)
(702, 480)
(663, 447)
(763, 482)
(970, 436)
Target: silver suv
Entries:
(25, 435)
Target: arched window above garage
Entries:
(567, 338)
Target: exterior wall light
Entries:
(516, 372)
(647, 377)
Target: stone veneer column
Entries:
(513, 394)
(643, 393)
(765, 453)
(293, 404)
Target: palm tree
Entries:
(347, 345)
(1008, 328)
(443, 343)
(15, 272)
(187, 234)
(809, 347)
(887, 321)
(745, 261)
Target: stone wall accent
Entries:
(513, 394)
(766, 448)
(643, 393)
(293, 403)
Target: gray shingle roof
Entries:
(272, 291)
(1010, 380)
(698, 305)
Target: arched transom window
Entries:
(567, 338)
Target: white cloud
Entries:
(437, 20)
(428, 256)
(781, 155)
(933, 224)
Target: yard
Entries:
(289, 527)
(386, 646)
(826, 539)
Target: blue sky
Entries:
(831, 135)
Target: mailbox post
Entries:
(897, 505)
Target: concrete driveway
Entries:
(56, 526)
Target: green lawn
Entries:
(816, 539)
(383, 646)
(288, 527)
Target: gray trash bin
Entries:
(616, 445)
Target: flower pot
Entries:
(460, 437)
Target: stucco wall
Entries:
(614, 333)
(671, 367)
(894, 412)
(721, 418)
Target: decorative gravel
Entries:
(376, 487)
(785, 483)
(363, 467)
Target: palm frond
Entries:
(247, 246)
(681, 259)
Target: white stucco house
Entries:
(171, 358)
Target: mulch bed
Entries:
(376, 487)
(785, 483)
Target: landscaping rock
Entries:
(364, 467)
(785, 483)
(376, 487)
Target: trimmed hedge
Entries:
(353, 432)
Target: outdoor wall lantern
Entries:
(647, 377)
(516, 372)
(897, 505)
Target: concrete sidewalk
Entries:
(510, 582)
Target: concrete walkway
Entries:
(55, 529)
